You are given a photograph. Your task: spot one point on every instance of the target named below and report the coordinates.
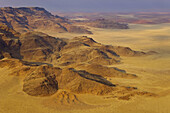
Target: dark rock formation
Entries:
(9, 43)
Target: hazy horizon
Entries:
(93, 6)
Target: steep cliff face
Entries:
(35, 18)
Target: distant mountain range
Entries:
(136, 17)
(103, 23)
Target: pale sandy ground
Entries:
(153, 75)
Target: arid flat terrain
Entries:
(153, 75)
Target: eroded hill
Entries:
(46, 80)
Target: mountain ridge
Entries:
(24, 19)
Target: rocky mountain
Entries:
(36, 46)
(25, 19)
(79, 65)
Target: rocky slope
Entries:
(38, 46)
(9, 43)
(34, 18)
